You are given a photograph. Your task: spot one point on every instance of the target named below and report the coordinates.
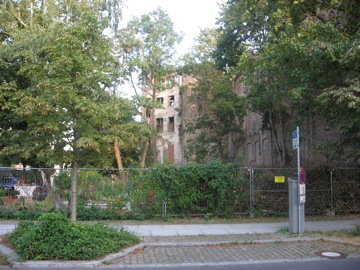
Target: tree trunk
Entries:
(154, 150)
(281, 133)
(74, 176)
(144, 153)
(118, 155)
(274, 131)
(44, 180)
(150, 92)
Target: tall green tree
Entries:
(288, 53)
(125, 134)
(63, 69)
(340, 103)
(220, 110)
(146, 49)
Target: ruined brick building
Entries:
(168, 123)
(256, 146)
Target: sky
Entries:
(188, 16)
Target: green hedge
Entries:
(202, 188)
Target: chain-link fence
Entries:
(253, 191)
(327, 190)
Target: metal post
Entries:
(296, 220)
(298, 185)
(331, 192)
(251, 171)
(164, 208)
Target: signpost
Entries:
(301, 178)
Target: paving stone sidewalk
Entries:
(232, 253)
(240, 249)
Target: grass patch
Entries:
(4, 260)
(345, 233)
(284, 230)
(55, 237)
(349, 233)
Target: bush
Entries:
(193, 189)
(55, 237)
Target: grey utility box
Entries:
(296, 217)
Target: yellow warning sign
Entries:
(279, 179)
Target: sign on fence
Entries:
(279, 179)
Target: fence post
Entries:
(164, 208)
(331, 192)
(163, 202)
(251, 179)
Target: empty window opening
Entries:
(160, 100)
(171, 100)
(171, 124)
(160, 125)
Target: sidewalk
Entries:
(200, 244)
(216, 229)
(225, 229)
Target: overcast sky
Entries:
(188, 16)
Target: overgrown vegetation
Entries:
(93, 186)
(219, 110)
(202, 188)
(210, 190)
(54, 236)
(92, 213)
(299, 62)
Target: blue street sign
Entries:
(295, 139)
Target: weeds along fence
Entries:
(167, 190)
(328, 190)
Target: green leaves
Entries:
(58, 76)
(218, 108)
(287, 53)
(205, 187)
(53, 236)
(147, 47)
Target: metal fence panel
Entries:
(270, 197)
(346, 190)
(255, 192)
